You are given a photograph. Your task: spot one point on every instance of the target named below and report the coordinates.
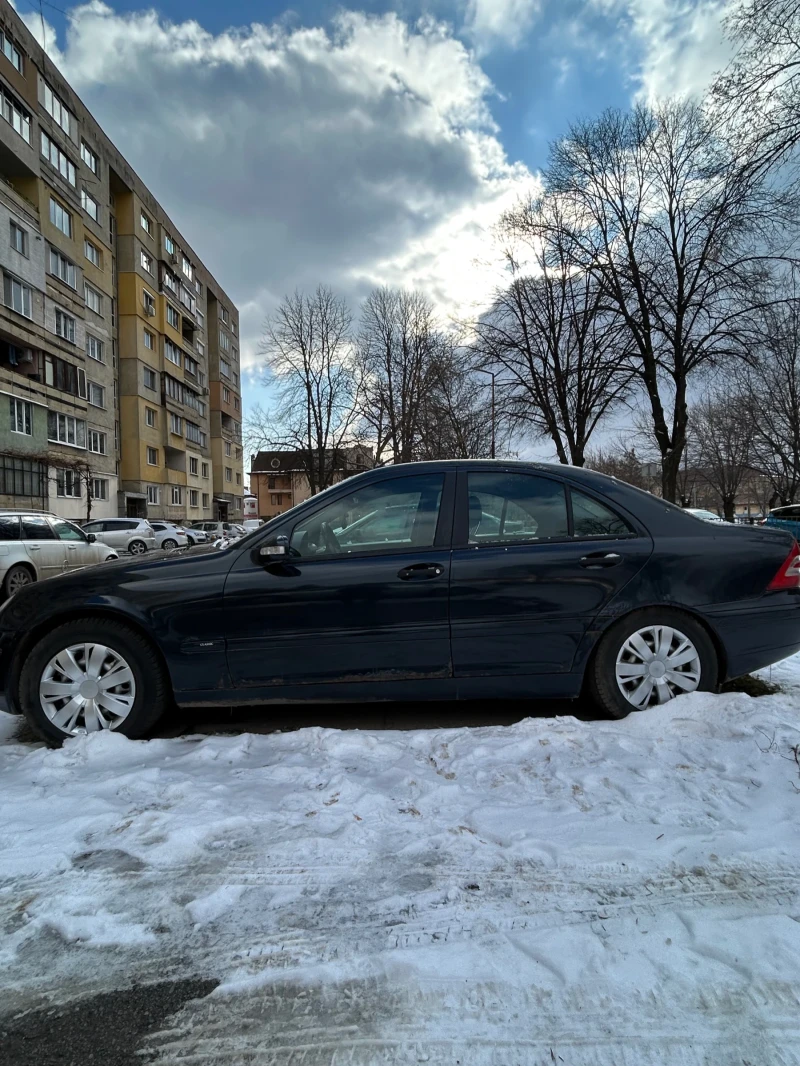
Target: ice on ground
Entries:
(601, 893)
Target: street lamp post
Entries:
(492, 375)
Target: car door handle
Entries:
(420, 572)
(34, 547)
(601, 560)
(72, 547)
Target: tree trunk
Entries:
(729, 508)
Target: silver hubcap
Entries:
(18, 579)
(137, 548)
(87, 687)
(656, 664)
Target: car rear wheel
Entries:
(649, 658)
(17, 578)
(137, 547)
(87, 676)
(169, 544)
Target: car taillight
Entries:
(788, 577)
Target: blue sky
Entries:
(370, 142)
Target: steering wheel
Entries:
(332, 545)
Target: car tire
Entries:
(110, 558)
(168, 544)
(152, 694)
(137, 547)
(17, 578)
(619, 667)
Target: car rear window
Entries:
(9, 527)
(593, 519)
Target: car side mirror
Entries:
(91, 537)
(275, 548)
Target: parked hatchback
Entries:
(476, 580)
(37, 545)
(787, 518)
(169, 536)
(134, 535)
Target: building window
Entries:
(90, 205)
(195, 433)
(153, 494)
(226, 394)
(227, 447)
(15, 114)
(169, 244)
(62, 268)
(171, 282)
(187, 299)
(233, 328)
(198, 288)
(66, 429)
(193, 466)
(187, 267)
(65, 326)
(236, 379)
(175, 424)
(224, 368)
(224, 341)
(95, 394)
(171, 352)
(21, 417)
(150, 417)
(149, 378)
(193, 497)
(205, 470)
(205, 499)
(275, 499)
(94, 348)
(89, 157)
(149, 303)
(146, 261)
(92, 252)
(54, 107)
(224, 315)
(19, 239)
(17, 296)
(238, 479)
(97, 442)
(177, 495)
(152, 456)
(22, 477)
(11, 52)
(271, 483)
(99, 488)
(68, 483)
(228, 474)
(191, 366)
(60, 374)
(57, 159)
(173, 318)
(146, 223)
(148, 339)
(201, 348)
(60, 217)
(94, 301)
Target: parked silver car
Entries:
(36, 544)
(169, 536)
(134, 535)
(195, 535)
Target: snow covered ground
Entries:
(593, 894)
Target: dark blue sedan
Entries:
(439, 580)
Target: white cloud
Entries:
(499, 21)
(361, 154)
(682, 44)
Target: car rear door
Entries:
(47, 553)
(342, 610)
(533, 563)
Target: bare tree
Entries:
(308, 360)
(620, 461)
(674, 231)
(549, 336)
(456, 421)
(723, 432)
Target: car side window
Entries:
(507, 508)
(395, 515)
(66, 531)
(9, 527)
(593, 519)
(36, 527)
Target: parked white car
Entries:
(169, 536)
(219, 530)
(707, 516)
(36, 544)
(134, 535)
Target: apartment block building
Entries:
(120, 389)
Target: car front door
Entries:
(349, 603)
(79, 552)
(533, 563)
(44, 549)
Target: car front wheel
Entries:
(649, 658)
(91, 675)
(17, 578)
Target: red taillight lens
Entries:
(788, 577)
